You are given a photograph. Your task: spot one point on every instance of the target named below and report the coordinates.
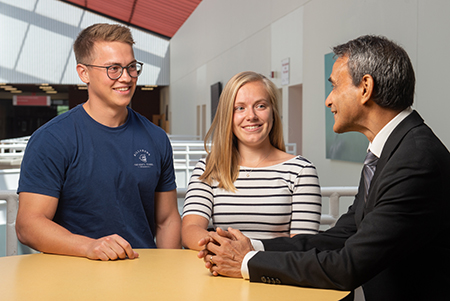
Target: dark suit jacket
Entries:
(396, 245)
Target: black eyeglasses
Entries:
(115, 71)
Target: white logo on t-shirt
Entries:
(143, 156)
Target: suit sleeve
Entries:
(404, 200)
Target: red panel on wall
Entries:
(30, 100)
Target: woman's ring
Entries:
(211, 261)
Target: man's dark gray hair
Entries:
(387, 63)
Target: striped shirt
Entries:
(273, 201)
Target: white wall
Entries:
(433, 66)
(222, 38)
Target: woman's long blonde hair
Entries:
(222, 162)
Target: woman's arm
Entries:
(198, 207)
(193, 228)
(306, 202)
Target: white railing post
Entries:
(334, 194)
(11, 199)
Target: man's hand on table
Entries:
(110, 247)
(224, 251)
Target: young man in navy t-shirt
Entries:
(98, 180)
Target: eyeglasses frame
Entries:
(121, 71)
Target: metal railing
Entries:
(334, 194)
(185, 156)
(11, 152)
(11, 198)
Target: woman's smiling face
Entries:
(253, 114)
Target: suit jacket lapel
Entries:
(389, 148)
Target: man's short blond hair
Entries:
(101, 32)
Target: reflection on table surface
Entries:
(157, 274)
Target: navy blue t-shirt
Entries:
(105, 178)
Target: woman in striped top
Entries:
(248, 181)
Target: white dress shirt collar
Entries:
(377, 144)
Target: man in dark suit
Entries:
(393, 239)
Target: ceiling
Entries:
(163, 17)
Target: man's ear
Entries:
(367, 84)
(83, 73)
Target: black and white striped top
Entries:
(273, 201)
